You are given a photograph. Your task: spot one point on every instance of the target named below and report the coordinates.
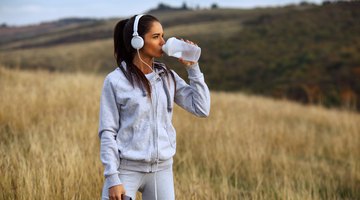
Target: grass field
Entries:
(249, 148)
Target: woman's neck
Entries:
(144, 63)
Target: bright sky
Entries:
(22, 12)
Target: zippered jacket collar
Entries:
(159, 69)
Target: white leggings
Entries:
(145, 183)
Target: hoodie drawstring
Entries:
(166, 92)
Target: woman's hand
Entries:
(116, 192)
(185, 62)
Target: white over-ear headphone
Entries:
(137, 42)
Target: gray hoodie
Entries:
(136, 131)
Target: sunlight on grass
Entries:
(249, 148)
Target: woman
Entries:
(137, 137)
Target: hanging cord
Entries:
(157, 165)
(157, 160)
(151, 68)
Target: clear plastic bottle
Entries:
(181, 49)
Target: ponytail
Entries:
(120, 51)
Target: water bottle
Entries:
(181, 49)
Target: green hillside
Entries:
(306, 52)
(309, 55)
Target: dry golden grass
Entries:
(249, 148)
(85, 56)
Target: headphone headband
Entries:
(136, 23)
(137, 42)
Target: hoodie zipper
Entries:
(155, 105)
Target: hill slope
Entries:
(307, 53)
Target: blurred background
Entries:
(307, 51)
(284, 77)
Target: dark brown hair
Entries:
(123, 51)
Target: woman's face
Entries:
(153, 41)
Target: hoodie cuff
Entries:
(113, 180)
(194, 71)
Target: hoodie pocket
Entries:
(170, 130)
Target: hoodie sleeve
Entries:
(108, 128)
(193, 97)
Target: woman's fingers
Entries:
(116, 192)
(186, 63)
(188, 41)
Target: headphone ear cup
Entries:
(137, 42)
